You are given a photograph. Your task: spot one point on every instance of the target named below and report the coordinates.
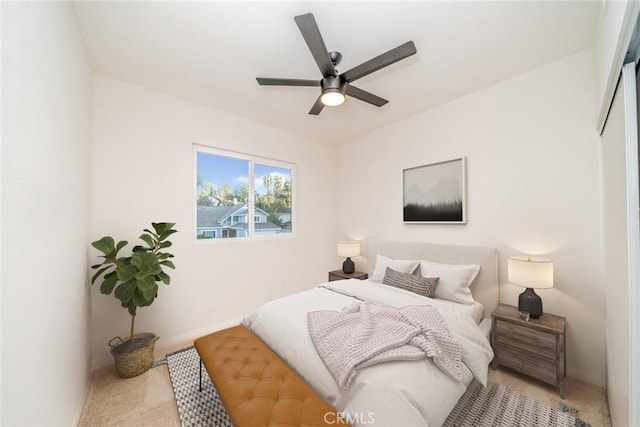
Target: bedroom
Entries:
(530, 138)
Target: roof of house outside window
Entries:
(212, 216)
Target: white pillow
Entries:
(401, 265)
(454, 280)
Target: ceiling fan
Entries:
(335, 86)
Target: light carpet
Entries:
(494, 405)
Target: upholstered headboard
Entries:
(484, 288)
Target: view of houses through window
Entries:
(224, 189)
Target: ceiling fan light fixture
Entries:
(335, 86)
(332, 97)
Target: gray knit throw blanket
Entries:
(366, 334)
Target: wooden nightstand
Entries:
(535, 347)
(339, 275)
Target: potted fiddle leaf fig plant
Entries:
(134, 280)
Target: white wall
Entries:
(143, 172)
(532, 183)
(46, 103)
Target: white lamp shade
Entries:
(530, 272)
(348, 248)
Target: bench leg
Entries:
(200, 386)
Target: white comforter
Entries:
(399, 393)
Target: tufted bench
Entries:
(256, 386)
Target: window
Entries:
(206, 234)
(240, 196)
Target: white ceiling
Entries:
(211, 52)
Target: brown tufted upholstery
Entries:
(256, 386)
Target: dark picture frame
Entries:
(435, 193)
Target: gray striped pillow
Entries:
(425, 286)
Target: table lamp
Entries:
(348, 248)
(530, 273)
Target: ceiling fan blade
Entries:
(266, 81)
(380, 61)
(309, 29)
(365, 96)
(317, 107)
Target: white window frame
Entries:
(252, 159)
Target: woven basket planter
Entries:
(133, 359)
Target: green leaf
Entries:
(125, 272)
(145, 283)
(164, 229)
(164, 277)
(119, 246)
(131, 308)
(164, 255)
(146, 263)
(97, 265)
(147, 302)
(151, 232)
(124, 292)
(147, 239)
(148, 287)
(168, 264)
(105, 245)
(161, 227)
(138, 299)
(165, 245)
(166, 234)
(109, 283)
(99, 272)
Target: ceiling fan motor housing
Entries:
(332, 82)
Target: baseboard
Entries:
(101, 362)
(83, 400)
(192, 335)
(106, 360)
(588, 377)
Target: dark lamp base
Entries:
(348, 267)
(531, 303)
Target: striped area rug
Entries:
(494, 405)
(498, 405)
(196, 408)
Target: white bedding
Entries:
(400, 393)
(485, 327)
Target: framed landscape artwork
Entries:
(435, 193)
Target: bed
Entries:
(407, 393)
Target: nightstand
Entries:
(340, 275)
(535, 347)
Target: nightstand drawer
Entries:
(535, 347)
(533, 365)
(531, 340)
